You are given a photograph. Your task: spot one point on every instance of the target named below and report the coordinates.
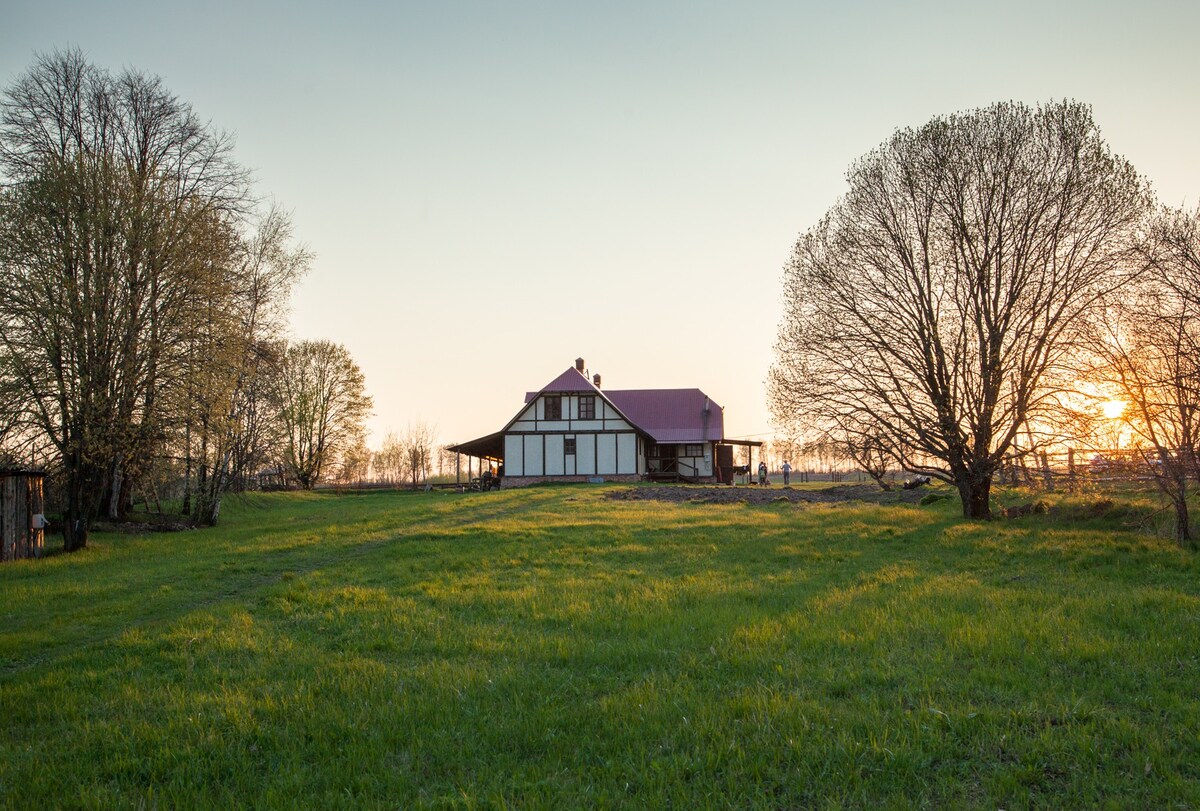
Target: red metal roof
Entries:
(667, 415)
(571, 380)
(672, 415)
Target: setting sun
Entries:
(1113, 409)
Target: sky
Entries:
(493, 189)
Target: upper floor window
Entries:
(553, 408)
(587, 407)
(693, 450)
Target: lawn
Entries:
(554, 648)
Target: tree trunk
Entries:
(976, 496)
(114, 495)
(187, 469)
(879, 480)
(78, 514)
(1183, 529)
(125, 502)
(208, 510)
(75, 525)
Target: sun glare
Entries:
(1113, 409)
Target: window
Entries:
(569, 446)
(587, 407)
(693, 450)
(553, 408)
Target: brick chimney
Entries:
(596, 380)
(579, 365)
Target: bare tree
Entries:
(234, 348)
(1148, 355)
(939, 297)
(418, 448)
(322, 408)
(448, 462)
(389, 459)
(355, 463)
(114, 201)
(1174, 262)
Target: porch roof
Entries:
(485, 447)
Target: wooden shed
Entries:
(22, 523)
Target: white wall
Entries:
(555, 464)
(514, 456)
(544, 454)
(627, 453)
(585, 455)
(535, 447)
(533, 456)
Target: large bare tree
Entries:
(935, 302)
(114, 200)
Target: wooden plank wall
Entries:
(8, 517)
(21, 499)
(35, 509)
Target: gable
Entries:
(581, 411)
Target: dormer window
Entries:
(553, 407)
(587, 407)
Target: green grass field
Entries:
(552, 648)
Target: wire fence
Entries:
(1044, 468)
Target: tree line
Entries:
(143, 303)
(986, 282)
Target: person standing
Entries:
(762, 473)
(787, 473)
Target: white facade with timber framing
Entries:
(564, 433)
(570, 430)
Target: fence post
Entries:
(1047, 475)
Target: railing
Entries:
(671, 466)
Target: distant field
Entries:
(554, 648)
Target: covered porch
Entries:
(483, 454)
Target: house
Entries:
(572, 431)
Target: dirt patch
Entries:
(151, 523)
(680, 494)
